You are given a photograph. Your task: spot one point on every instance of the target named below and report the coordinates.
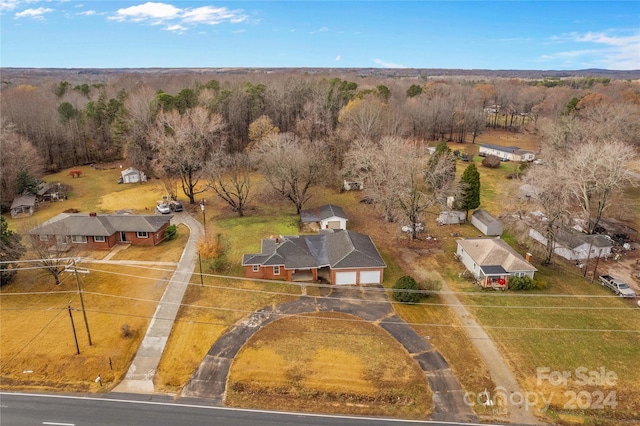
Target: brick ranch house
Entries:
(338, 257)
(102, 231)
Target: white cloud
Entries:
(87, 13)
(177, 28)
(338, 58)
(387, 64)
(321, 30)
(150, 11)
(238, 31)
(34, 13)
(174, 17)
(607, 50)
(8, 4)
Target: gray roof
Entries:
(24, 201)
(100, 224)
(484, 217)
(338, 249)
(322, 213)
(493, 252)
(574, 239)
(510, 149)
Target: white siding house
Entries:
(511, 153)
(574, 245)
(492, 261)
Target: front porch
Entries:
(494, 277)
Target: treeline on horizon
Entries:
(83, 122)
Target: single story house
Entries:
(492, 261)
(575, 245)
(336, 256)
(325, 217)
(451, 217)
(486, 223)
(133, 175)
(103, 231)
(23, 205)
(511, 153)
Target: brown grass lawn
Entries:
(206, 314)
(38, 350)
(327, 363)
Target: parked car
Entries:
(176, 206)
(618, 286)
(163, 208)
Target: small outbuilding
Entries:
(133, 175)
(451, 217)
(328, 216)
(486, 223)
(23, 205)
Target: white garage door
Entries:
(369, 277)
(334, 224)
(343, 278)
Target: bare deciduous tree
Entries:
(290, 166)
(230, 177)
(184, 143)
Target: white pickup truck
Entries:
(619, 287)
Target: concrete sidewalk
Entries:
(139, 378)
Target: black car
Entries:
(176, 206)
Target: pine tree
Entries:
(470, 181)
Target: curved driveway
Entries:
(210, 379)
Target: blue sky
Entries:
(385, 34)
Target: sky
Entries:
(521, 35)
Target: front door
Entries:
(123, 236)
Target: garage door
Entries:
(334, 224)
(369, 277)
(343, 278)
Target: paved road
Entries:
(21, 409)
(139, 378)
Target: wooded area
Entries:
(299, 130)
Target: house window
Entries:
(99, 238)
(276, 270)
(78, 238)
(256, 268)
(474, 266)
(142, 234)
(43, 237)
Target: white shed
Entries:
(133, 175)
(486, 223)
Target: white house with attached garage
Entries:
(335, 256)
(492, 261)
(511, 153)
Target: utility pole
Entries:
(73, 327)
(200, 260)
(204, 217)
(84, 313)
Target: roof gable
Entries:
(322, 213)
(99, 224)
(494, 252)
(338, 249)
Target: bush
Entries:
(521, 283)
(491, 161)
(406, 283)
(171, 233)
(432, 285)
(214, 251)
(125, 331)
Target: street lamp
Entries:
(204, 217)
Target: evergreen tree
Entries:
(470, 181)
(10, 250)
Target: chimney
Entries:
(93, 214)
(528, 257)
